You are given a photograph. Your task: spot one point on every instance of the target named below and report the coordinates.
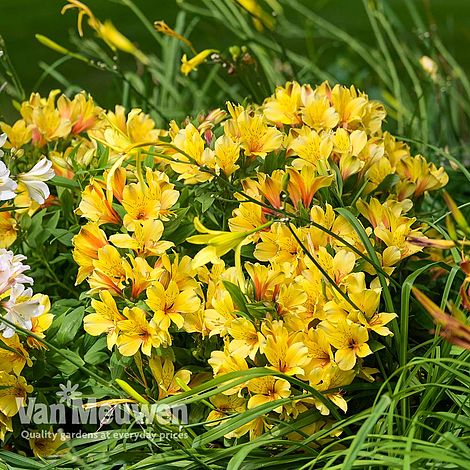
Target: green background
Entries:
(20, 20)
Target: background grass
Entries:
(20, 20)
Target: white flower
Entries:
(11, 270)
(7, 185)
(34, 180)
(21, 308)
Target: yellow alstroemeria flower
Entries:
(152, 199)
(284, 107)
(13, 393)
(256, 138)
(140, 275)
(246, 340)
(188, 66)
(350, 340)
(223, 362)
(40, 323)
(19, 134)
(8, 229)
(169, 382)
(109, 271)
(95, 205)
(217, 242)
(15, 357)
(318, 113)
(224, 407)
(334, 378)
(86, 245)
(145, 240)
(47, 446)
(105, 319)
(284, 352)
(227, 152)
(368, 302)
(137, 333)
(170, 304)
(267, 389)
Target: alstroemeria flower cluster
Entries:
(19, 307)
(284, 282)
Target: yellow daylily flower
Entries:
(188, 66)
(107, 31)
(163, 28)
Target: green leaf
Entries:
(237, 296)
(67, 368)
(62, 182)
(206, 199)
(365, 429)
(95, 354)
(375, 345)
(71, 323)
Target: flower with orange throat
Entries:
(304, 184)
(86, 245)
(148, 200)
(108, 271)
(96, 206)
(81, 111)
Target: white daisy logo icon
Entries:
(68, 393)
